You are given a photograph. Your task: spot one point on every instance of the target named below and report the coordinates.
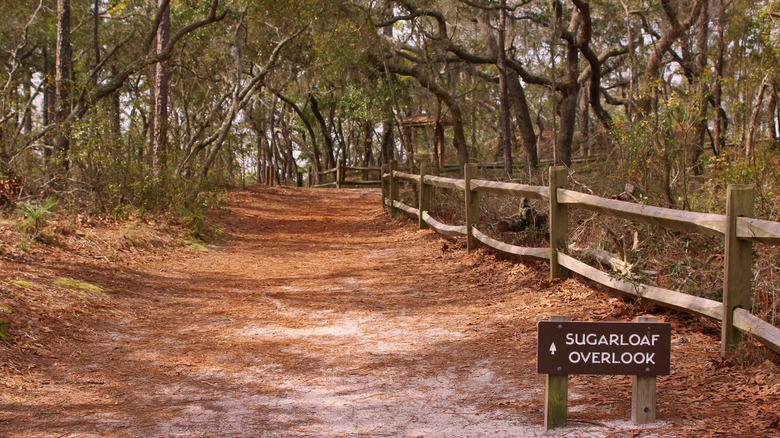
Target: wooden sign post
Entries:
(556, 399)
(641, 349)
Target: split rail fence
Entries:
(736, 226)
(339, 176)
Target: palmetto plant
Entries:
(35, 214)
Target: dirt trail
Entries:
(320, 316)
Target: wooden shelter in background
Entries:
(415, 123)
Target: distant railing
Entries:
(738, 229)
(340, 177)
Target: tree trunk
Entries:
(160, 95)
(721, 121)
(388, 141)
(368, 146)
(568, 109)
(315, 148)
(506, 136)
(774, 115)
(585, 123)
(330, 158)
(63, 84)
(114, 113)
(49, 99)
(524, 120)
(259, 142)
(700, 125)
(753, 126)
(438, 133)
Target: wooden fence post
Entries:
(393, 189)
(270, 173)
(643, 391)
(339, 175)
(738, 264)
(559, 221)
(556, 397)
(425, 194)
(309, 178)
(385, 184)
(472, 206)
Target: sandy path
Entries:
(319, 316)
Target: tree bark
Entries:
(506, 137)
(114, 112)
(567, 107)
(309, 128)
(330, 158)
(49, 100)
(160, 84)
(696, 146)
(753, 126)
(388, 141)
(63, 84)
(721, 121)
(524, 120)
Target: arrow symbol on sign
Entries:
(553, 349)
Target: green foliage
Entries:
(760, 171)
(35, 215)
(193, 218)
(193, 215)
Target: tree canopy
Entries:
(150, 102)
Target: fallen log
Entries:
(525, 217)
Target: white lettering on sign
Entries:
(553, 349)
(601, 357)
(611, 339)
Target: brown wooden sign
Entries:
(617, 348)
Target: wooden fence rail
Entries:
(736, 226)
(340, 177)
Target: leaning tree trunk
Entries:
(753, 125)
(524, 120)
(330, 158)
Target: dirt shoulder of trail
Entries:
(318, 315)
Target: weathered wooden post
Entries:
(339, 175)
(472, 206)
(393, 189)
(559, 221)
(643, 391)
(556, 396)
(738, 264)
(385, 184)
(269, 175)
(309, 177)
(425, 194)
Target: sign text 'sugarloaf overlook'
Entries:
(619, 348)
